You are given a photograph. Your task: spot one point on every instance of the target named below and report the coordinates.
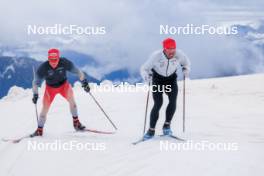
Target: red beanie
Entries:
(169, 43)
(54, 53)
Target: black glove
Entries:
(85, 85)
(35, 98)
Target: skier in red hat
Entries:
(161, 70)
(54, 72)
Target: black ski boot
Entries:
(77, 125)
(38, 132)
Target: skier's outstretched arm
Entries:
(145, 69)
(37, 79)
(78, 72)
(85, 84)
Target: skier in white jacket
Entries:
(160, 69)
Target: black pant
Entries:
(157, 94)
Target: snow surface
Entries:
(218, 110)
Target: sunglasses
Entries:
(53, 60)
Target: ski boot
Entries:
(38, 132)
(77, 125)
(166, 129)
(150, 134)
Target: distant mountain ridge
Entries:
(16, 68)
(19, 70)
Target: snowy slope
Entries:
(218, 110)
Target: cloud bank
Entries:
(132, 31)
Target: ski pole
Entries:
(102, 110)
(146, 111)
(36, 110)
(183, 111)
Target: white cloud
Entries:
(132, 28)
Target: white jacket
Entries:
(163, 66)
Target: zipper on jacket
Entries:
(167, 67)
(167, 64)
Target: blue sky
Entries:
(132, 29)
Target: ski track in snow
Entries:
(218, 110)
